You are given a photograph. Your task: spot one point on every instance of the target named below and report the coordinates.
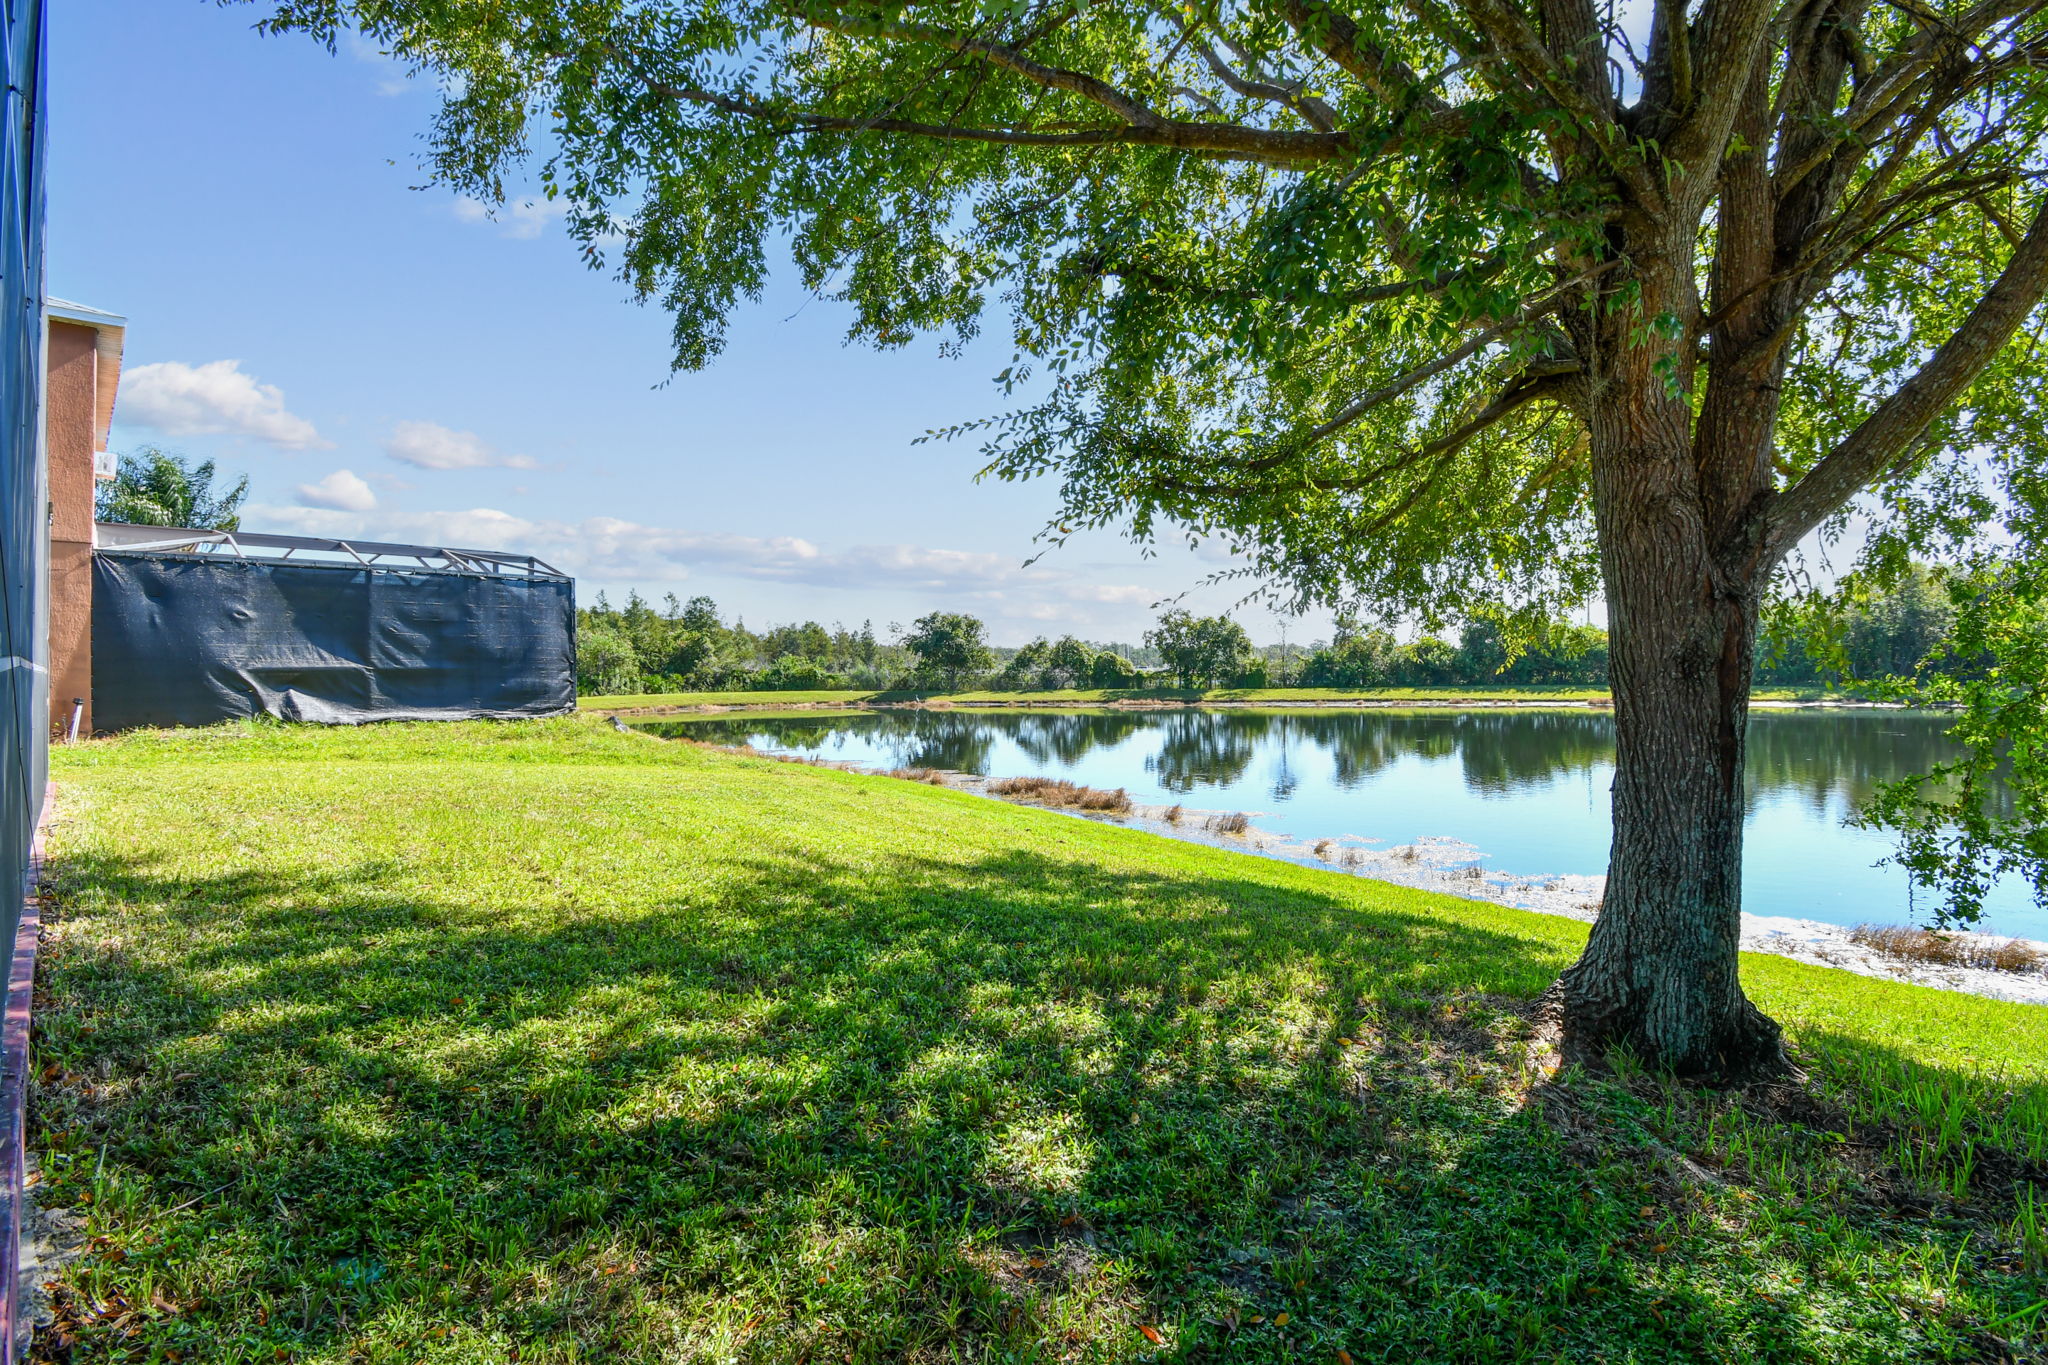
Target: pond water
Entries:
(1527, 787)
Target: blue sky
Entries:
(385, 361)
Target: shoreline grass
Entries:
(455, 1043)
(1161, 695)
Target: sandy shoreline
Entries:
(1451, 866)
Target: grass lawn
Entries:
(541, 1042)
(1096, 696)
(827, 698)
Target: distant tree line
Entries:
(689, 646)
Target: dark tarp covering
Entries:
(183, 640)
(24, 489)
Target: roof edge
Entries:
(64, 310)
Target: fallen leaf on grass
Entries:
(1279, 1319)
(1343, 1358)
(1151, 1333)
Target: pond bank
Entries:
(1220, 704)
(1451, 867)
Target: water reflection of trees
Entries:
(1067, 737)
(1832, 760)
(961, 741)
(1195, 751)
(1501, 751)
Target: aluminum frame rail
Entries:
(367, 554)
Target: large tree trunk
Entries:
(1659, 974)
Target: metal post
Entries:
(77, 714)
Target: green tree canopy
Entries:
(157, 488)
(1462, 309)
(1069, 662)
(949, 646)
(1200, 650)
(1026, 668)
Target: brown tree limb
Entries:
(1907, 81)
(1525, 51)
(1358, 407)
(1731, 40)
(1253, 85)
(1865, 453)
(1669, 79)
(1235, 142)
(1336, 35)
(1317, 114)
(1517, 395)
(1364, 296)
(1091, 88)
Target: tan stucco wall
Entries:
(71, 416)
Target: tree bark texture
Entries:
(1660, 971)
(1691, 530)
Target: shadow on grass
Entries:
(1021, 1107)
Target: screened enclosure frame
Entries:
(367, 554)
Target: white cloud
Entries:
(1118, 594)
(609, 548)
(341, 490)
(611, 552)
(394, 77)
(212, 398)
(429, 445)
(524, 219)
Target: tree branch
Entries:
(1253, 86)
(1124, 106)
(1517, 395)
(1513, 399)
(1671, 55)
(1363, 296)
(1524, 50)
(1336, 35)
(1529, 312)
(1731, 36)
(1889, 93)
(1865, 453)
(1228, 141)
